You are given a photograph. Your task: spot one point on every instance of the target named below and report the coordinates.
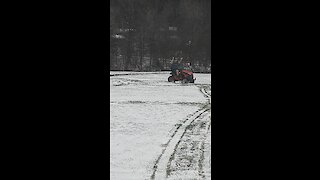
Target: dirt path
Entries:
(187, 154)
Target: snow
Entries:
(145, 111)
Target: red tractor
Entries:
(185, 76)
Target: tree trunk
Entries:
(141, 49)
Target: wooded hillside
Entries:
(146, 35)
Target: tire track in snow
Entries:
(203, 163)
(188, 159)
(136, 73)
(162, 169)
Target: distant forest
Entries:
(147, 35)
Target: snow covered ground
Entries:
(158, 129)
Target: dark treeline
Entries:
(146, 35)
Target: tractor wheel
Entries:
(184, 81)
(190, 78)
(170, 79)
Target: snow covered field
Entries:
(158, 129)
